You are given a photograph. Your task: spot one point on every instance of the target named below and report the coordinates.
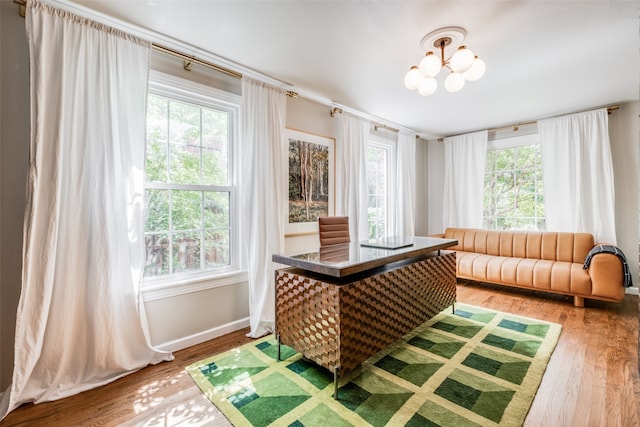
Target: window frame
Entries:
(173, 87)
(390, 146)
(514, 142)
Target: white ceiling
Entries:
(544, 58)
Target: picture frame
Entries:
(311, 181)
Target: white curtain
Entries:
(578, 174)
(263, 181)
(351, 173)
(405, 184)
(465, 158)
(80, 321)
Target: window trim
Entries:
(159, 287)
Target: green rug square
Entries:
(373, 397)
(225, 373)
(268, 399)
(525, 326)
(409, 365)
(320, 416)
(478, 395)
(458, 326)
(517, 343)
(431, 414)
(270, 348)
(436, 343)
(311, 372)
(475, 313)
(499, 365)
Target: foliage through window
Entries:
(513, 191)
(189, 196)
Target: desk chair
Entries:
(333, 230)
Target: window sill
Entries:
(157, 289)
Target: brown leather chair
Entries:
(333, 230)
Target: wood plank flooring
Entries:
(591, 380)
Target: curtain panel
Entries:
(263, 183)
(405, 184)
(351, 173)
(80, 320)
(465, 159)
(577, 171)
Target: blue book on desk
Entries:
(395, 242)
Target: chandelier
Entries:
(463, 64)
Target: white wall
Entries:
(624, 128)
(624, 131)
(14, 160)
(435, 186)
(421, 203)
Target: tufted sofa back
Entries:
(552, 246)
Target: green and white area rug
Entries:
(476, 367)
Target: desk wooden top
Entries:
(350, 258)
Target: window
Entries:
(513, 191)
(379, 182)
(189, 181)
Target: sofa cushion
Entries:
(544, 275)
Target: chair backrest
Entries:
(333, 230)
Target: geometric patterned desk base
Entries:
(339, 323)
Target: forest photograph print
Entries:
(310, 177)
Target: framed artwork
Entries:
(311, 181)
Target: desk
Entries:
(344, 303)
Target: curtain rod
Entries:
(188, 59)
(515, 127)
(376, 125)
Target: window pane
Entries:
(156, 210)
(157, 260)
(186, 212)
(186, 251)
(157, 126)
(216, 248)
(185, 164)
(185, 123)
(214, 170)
(216, 210)
(215, 152)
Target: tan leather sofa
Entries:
(545, 261)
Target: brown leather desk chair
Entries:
(333, 230)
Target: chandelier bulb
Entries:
(413, 78)
(454, 82)
(461, 60)
(430, 65)
(428, 86)
(476, 71)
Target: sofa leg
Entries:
(578, 301)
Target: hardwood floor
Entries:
(591, 380)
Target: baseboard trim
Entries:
(203, 336)
(631, 290)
